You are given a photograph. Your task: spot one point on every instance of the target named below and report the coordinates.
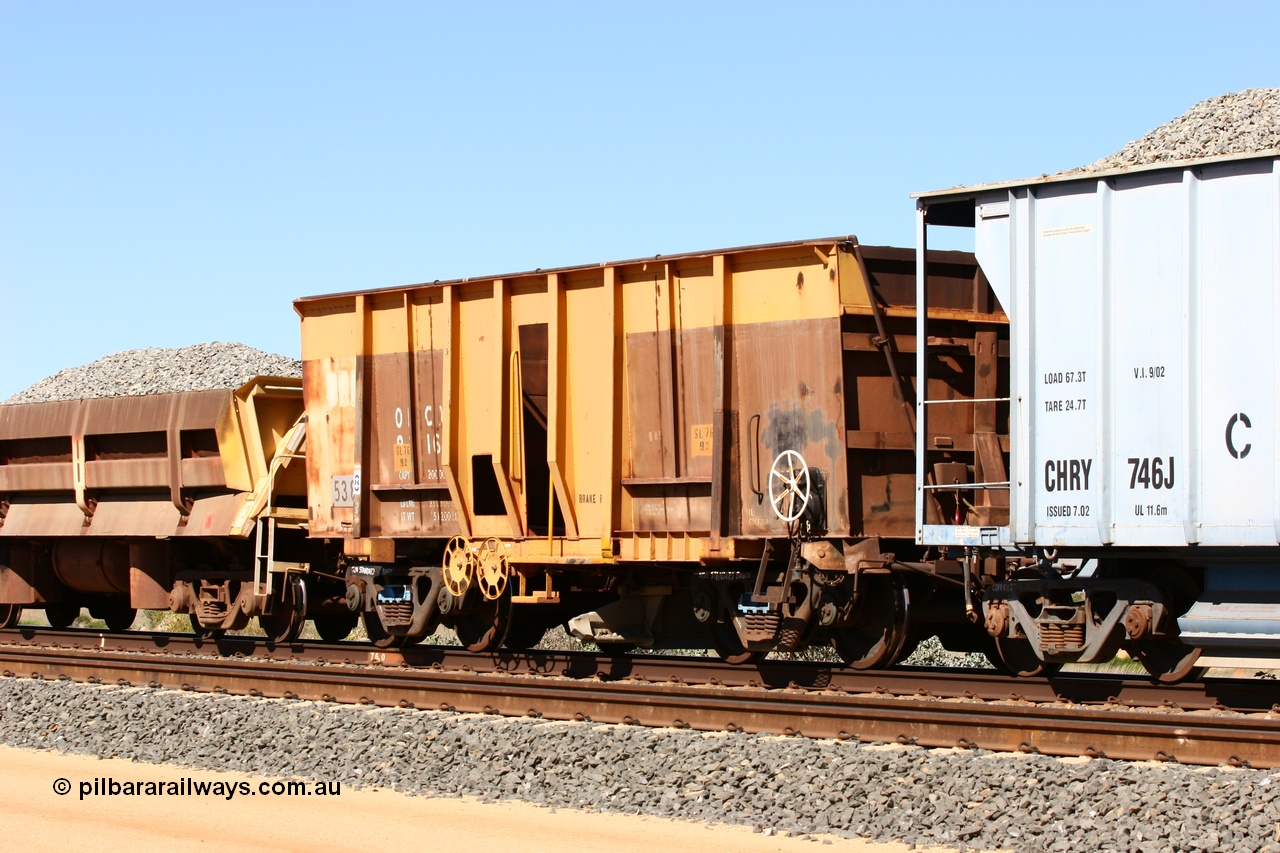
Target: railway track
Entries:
(1223, 721)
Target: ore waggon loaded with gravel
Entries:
(1058, 447)
(1145, 306)
(188, 501)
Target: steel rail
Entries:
(1215, 694)
(1056, 728)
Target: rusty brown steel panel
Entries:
(438, 515)
(672, 428)
(697, 392)
(329, 394)
(188, 410)
(15, 587)
(134, 515)
(881, 472)
(38, 420)
(29, 578)
(38, 477)
(648, 385)
(122, 515)
(211, 515)
(389, 434)
(30, 517)
(881, 493)
(203, 473)
(954, 276)
(671, 507)
(429, 392)
(126, 474)
(17, 580)
(91, 448)
(790, 374)
(150, 575)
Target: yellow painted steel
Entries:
(252, 429)
(458, 442)
(259, 435)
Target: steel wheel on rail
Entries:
(874, 635)
(119, 617)
(726, 643)
(1167, 661)
(483, 626)
(1016, 656)
(285, 624)
(335, 627)
(10, 614)
(61, 615)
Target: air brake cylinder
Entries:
(93, 566)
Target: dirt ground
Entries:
(37, 818)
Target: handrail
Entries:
(952, 487)
(967, 400)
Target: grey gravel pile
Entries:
(1235, 123)
(779, 785)
(156, 370)
(930, 652)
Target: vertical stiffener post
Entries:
(1104, 438)
(556, 393)
(448, 437)
(1275, 299)
(1191, 387)
(609, 393)
(922, 376)
(362, 414)
(721, 365)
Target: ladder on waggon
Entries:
(958, 503)
(265, 564)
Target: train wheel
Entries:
(379, 635)
(1017, 657)
(10, 614)
(1168, 661)
(726, 643)
(61, 615)
(118, 617)
(202, 631)
(335, 627)
(876, 631)
(484, 626)
(285, 625)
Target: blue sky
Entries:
(178, 172)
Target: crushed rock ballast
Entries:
(960, 799)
